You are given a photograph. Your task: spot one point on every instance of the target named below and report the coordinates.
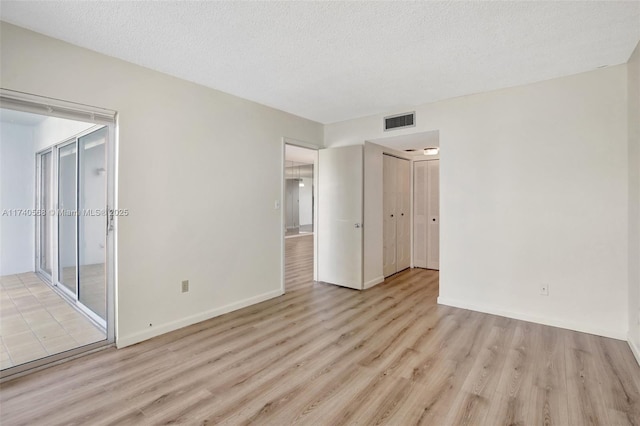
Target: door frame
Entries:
(283, 226)
(56, 281)
(38, 231)
(52, 107)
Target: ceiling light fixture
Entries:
(431, 151)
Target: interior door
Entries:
(420, 212)
(433, 217)
(403, 210)
(45, 202)
(340, 200)
(389, 193)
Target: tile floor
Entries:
(92, 286)
(36, 322)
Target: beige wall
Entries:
(533, 191)
(633, 98)
(190, 215)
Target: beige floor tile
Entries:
(8, 309)
(5, 279)
(13, 341)
(59, 344)
(17, 292)
(62, 315)
(4, 297)
(30, 329)
(4, 356)
(28, 301)
(13, 326)
(78, 326)
(49, 332)
(52, 301)
(31, 353)
(85, 339)
(12, 285)
(26, 276)
(34, 283)
(39, 289)
(5, 363)
(39, 316)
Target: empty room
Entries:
(319, 213)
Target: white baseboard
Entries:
(140, 336)
(373, 282)
(614, 334)
(634, 349)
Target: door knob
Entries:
(391, 215)
(401, 214)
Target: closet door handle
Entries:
(391, 215)
(401, 214)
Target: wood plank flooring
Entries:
(326, 355)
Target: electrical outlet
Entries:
(544, 290)
(185, 286)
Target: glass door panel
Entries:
(67, 208)
(45, 203)
(92, 196)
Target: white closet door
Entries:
(420, 219)
(403, 214)
(433, 228)
(389, 177)
(340, 199)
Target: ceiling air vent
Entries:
(400, 121)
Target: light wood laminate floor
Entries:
(325, 355)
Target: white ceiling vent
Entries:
(400, 121)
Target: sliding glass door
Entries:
(67, 217)
(45, 204)
(92, 195)
(72, 236)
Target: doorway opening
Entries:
(299, 207)
(56, 244)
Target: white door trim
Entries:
(58, 108)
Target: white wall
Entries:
(633, 97)
(305, 195)
(533, 191)
(53, 130)
(17, 191)
(177, 142)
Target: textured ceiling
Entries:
(332, 61)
